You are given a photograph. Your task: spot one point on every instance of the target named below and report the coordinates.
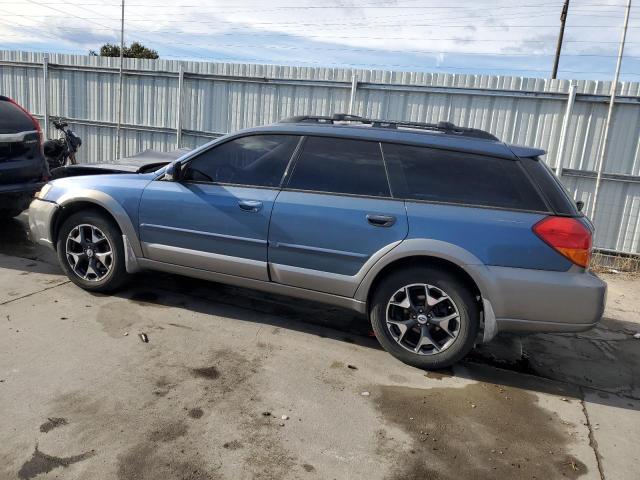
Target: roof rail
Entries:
(444, 127)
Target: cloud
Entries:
(481, 36)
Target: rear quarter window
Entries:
(428, 174)
(556, 193)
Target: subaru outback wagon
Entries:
(442, 235)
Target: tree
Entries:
(135, 50)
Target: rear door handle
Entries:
(381, 220)
(250, 205)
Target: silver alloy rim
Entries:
(89, 252)
(423, 319)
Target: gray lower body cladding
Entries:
(527, 300)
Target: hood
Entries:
(144, 162)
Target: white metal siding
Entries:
(519, 110)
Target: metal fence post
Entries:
(354, 89)
(565, 126)
(45, 91)
(612, 102)
(179, 107)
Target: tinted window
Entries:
(340, 166)
(258, 160)
(556, 193)
(456, 177)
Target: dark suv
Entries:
(23, 168)
(442, 235)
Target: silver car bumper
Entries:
(40, 216)
(542, 301)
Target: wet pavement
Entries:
(204, 398)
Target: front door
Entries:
(216, 217)
(335, 215)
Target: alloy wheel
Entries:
(423, 319)
(89, 252)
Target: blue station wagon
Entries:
(442, 235)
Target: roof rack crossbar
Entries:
(444, 127)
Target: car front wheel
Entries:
(91, 252)
(425, 317)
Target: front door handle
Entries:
(250, 205)
(381, 220)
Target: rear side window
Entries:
(556, 193)
(420, 173)
(340, 166)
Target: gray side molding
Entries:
(109, 204)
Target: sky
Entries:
(499, 37)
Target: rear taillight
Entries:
(36, 124)
(568, 236)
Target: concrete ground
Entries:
(235, 384)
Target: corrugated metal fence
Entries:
(169, 103)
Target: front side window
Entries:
(420, 173)
(258, 160)
(340, 166)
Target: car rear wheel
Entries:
(91, 252)
(425, 317)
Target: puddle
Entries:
(477, 428)
(51, 423)
(43, 463)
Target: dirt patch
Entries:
(51, 423)
(439, 374)
(145, 462)
(308, 468)
(233, 445)
(169, 432)
(163, 387)
(117, 318)
(477, 428)
(43, 463)
(178, 325)
(196, 413)
(210, 373)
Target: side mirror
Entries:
(173, 173)
(580, 205)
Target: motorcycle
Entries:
(62, 151)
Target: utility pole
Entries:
(612, 101)
(563, 21)
(120, 84)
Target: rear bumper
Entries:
(532, 301)
(41, 215)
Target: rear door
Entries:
(334, 215)
(21, 160)
(217, 217)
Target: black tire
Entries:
(457, 291)
(117, 275)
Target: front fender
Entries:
(107, 202)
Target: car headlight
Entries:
(42, 194)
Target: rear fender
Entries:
(468, 262)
